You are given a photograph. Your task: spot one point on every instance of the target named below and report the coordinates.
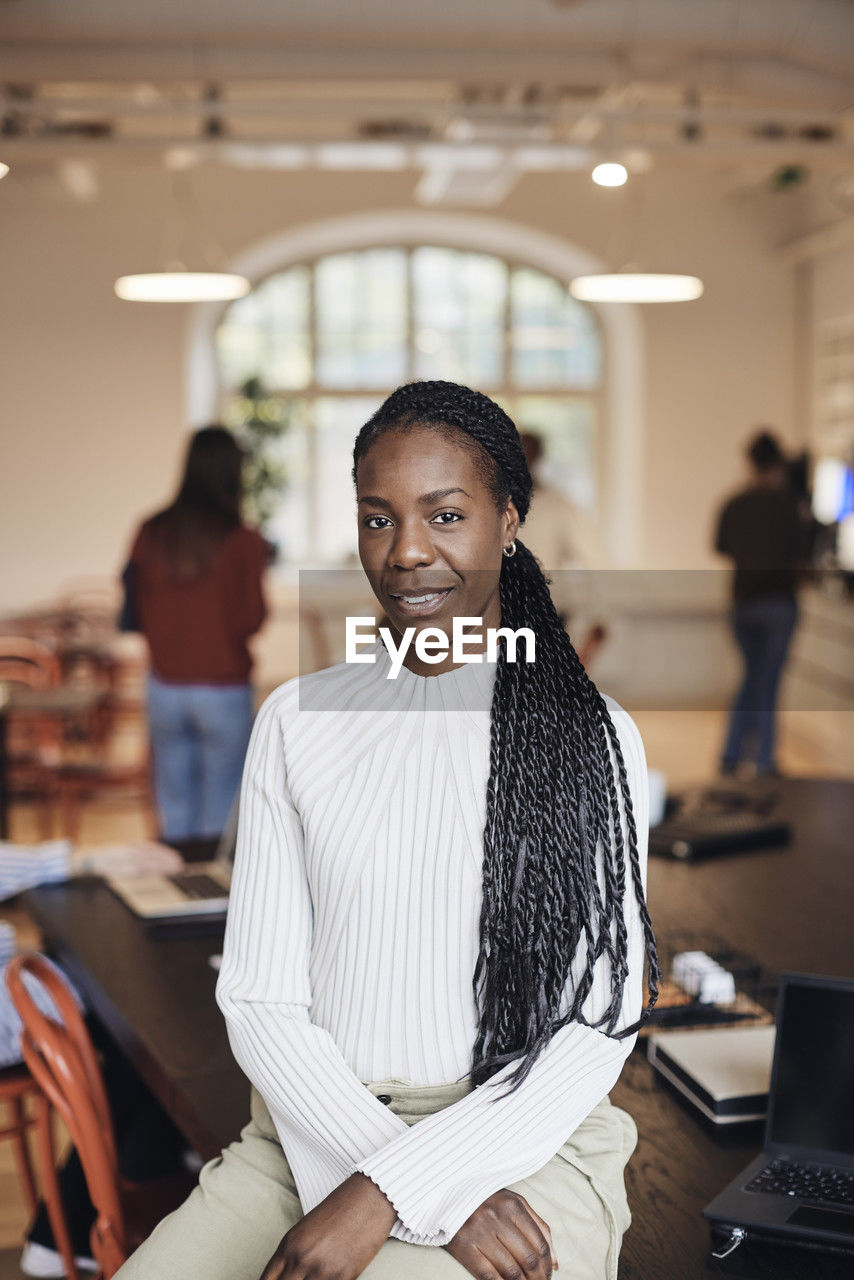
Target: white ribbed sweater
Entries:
(352, 936)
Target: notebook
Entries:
(725, 1072)
(800, 1188)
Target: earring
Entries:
(511, 550)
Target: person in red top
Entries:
(195, 588)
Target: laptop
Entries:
(706, 822)
(801, 1187)
(200, 890)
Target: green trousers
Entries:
(246, 1200)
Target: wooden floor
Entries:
(683, 744)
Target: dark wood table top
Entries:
(790, 907)
(155, 996)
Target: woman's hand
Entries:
(505, 1239)
(338, 1238)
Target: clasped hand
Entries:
(504, 1239)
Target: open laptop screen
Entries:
(811, 1095)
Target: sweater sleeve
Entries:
(444, 1167)
(325, 1117)
(27, 866)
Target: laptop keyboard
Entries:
(199, 886)
(813, 1183)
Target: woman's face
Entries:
(430, 538)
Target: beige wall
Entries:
(92, 391)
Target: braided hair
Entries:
(549, 805)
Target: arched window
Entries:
(323, 342)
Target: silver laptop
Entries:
(201, 889)
(801, 1187)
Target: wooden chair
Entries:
(62, 1060)
(26, 661)
(16, 1088)
(94, 766)
(34, 741)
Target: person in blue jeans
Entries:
(762, 531)
(194, 588)
(199, 735)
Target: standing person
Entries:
(559, 534)
(561, 537)
(760, 528)
(433, 964)
(194, 579)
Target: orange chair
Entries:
(16, 1087)
(63, 1063)
(34, 740)
(25, 661)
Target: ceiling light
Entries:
(610, 175)
(4, 169)
(634, 286)
(176, 282)
(182, 286)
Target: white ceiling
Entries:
(535, 84)
(797, 51)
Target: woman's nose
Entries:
(410, 546)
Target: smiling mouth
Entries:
(418, 602)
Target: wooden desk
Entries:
(791, 907)
(155, 996)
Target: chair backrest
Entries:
(25, 661)
(62, 1061)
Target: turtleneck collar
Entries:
(465, 688)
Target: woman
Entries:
(433, 963)
(762, 530)
(195, 575)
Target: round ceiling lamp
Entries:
(4, 169)
(182, 286)
(636, 286)
(610, 174)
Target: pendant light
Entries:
(628, 284)
(636, 286)
(177, 282)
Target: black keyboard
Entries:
(199, 886)
(813, 1183)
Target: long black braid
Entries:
(552, 794)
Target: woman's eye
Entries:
(455, 515)
(369, 525)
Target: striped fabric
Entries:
(23, 866)
(352, 936)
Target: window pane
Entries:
(337, 420)
(555, 337)
(265, 335)
(568, 429)
(360, 301)
(459, 316)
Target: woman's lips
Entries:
(419, 604)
